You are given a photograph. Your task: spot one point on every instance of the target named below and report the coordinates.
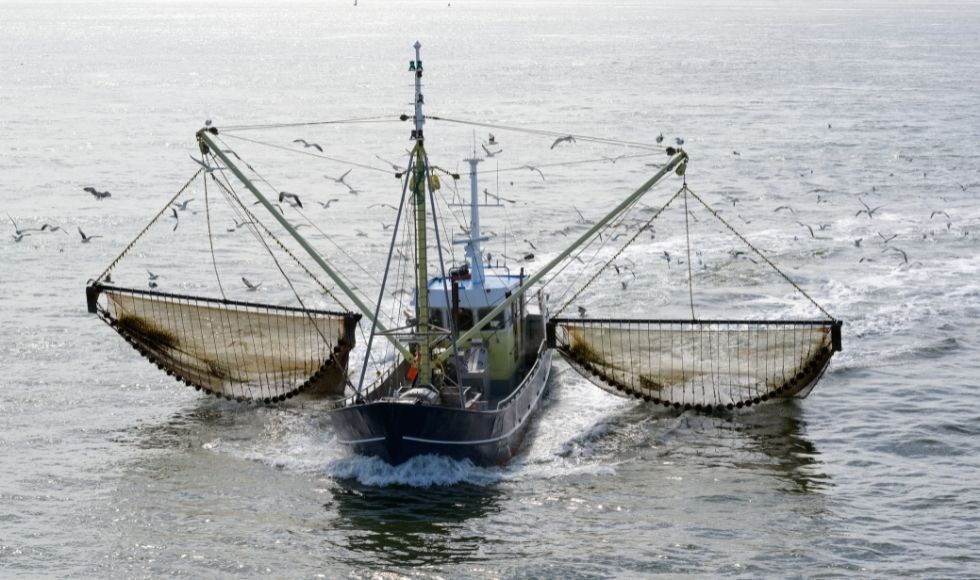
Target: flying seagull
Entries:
(204, 165)
(565, 139)
(307, 145)
(251, 287)
(19, 231)
(290, 198)
(238, 225)
(182, 206)
(535, 169)
(394, 166)
(53, 228)
(867, 209)
(900, 251)
(98, 194)
(86, 239)
(326, 204)
(176, 219)
(341, 178)
(489, 152)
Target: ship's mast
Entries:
(473, 247)
(420, 180)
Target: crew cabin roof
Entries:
(493, 290)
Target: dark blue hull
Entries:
(396, 431)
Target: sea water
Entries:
(112, 469)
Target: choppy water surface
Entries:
(112, 470)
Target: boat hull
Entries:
(396, 431)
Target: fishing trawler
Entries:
(471, 364)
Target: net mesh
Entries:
(699, 364)
(237, 350)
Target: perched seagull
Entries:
(98, 194)
(251, 287)
(679, 141)
(182, 206)
(565, 139)
(204, 165)
(86, 239)
(581, 311)
(535, 169)
(660, 138)
(290, 198)
(326, 204)
(307, 145)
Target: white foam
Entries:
(421, 471)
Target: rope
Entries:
(547, 133)
(628, 243)
(687, 233)
(152, 221)
(378, 119)
(312, 224)
(577, 162)
(759, 253)
(255, 221)
(214, 261)
(310, 154)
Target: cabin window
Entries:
(497, 322)
(436, 318)
(465, 319)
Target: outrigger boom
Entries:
(208, 145)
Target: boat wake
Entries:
(420, 471)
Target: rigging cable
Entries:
(310, 222)
(377, 119)
(310, 154)
(547, 133)
(687, 233)
(125, 251)
(207, 215)
(384, 281)
(760, 254)
(618, 253)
